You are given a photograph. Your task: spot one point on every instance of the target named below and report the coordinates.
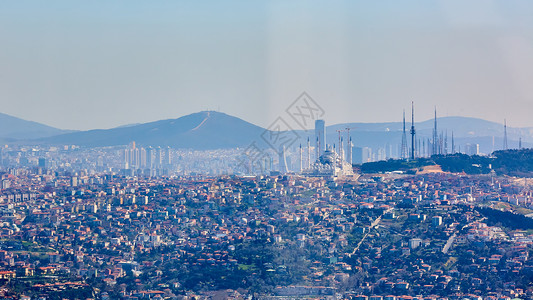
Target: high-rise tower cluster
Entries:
(148, 161)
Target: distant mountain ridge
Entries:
(13, 128)
(202, 130)
(215, 130)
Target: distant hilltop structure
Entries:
(330, 161)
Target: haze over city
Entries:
(99, 65)
(266, 150)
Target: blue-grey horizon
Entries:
(98, 64)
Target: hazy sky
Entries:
(100, 64)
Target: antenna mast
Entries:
(413, 131)
(404, 140)
(505, 146)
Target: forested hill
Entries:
(504, 162)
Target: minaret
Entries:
(341, 149)
(334, 157)
(317, 149)
(340, 145)
(349, 153)
(413, 131)
(403, 151)
(308, 153)
(505, 146)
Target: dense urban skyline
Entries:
(267, 150)
(101, 65)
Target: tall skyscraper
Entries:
(125, 158)
(150, 157)
(283, 161)
(142, 163)
(100, 162)
(137, 157)
(42, 162)
(158, 157)
(320, 133)
(168, 157)
(301, 159)
(472, 149)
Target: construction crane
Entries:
(348, 130)
(341, 148)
